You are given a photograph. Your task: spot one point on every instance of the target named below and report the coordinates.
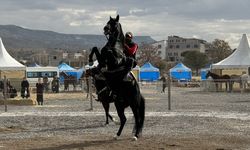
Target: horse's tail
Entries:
(142, 111)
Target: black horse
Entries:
(68, 79)
(125, 93)
(220, 79)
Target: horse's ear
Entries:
(110, 18)
(117, 18)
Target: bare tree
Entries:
(147, 53)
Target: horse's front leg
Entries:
(97, 54)
(91, 54)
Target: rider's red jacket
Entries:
(130, 49)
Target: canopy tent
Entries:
(10, 67)
(65, 67)
(181, 72)
(149, 73)
(203, 71)
(70, 71)
(240, 58)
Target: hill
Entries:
(15, 37)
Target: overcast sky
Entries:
(205, 19)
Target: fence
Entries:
(150, 87)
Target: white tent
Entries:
(240, 58)
(7, 62)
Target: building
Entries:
(177, 45)
(162, 46)
(54, 58)
(41, 58)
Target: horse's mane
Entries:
(121, 35)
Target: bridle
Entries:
(109, 33)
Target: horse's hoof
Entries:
(134, 138)
(116, 137)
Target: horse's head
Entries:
(113, 30)
(208, 74)
(112, 26)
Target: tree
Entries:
(162, 65)
(147, 53)
(195, 60)
(218, 50)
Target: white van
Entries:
(33, 73)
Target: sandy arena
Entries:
(198, 120)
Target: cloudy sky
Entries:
(205, 19)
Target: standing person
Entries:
(164, 83)
(25, 92)
(55, 84)
(39, 92)
(46, 82)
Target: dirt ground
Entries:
(103, 142)
(216, 121)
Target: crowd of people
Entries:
(41, 86)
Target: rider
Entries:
(130, 48)
(129, 61)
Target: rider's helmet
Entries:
(128, 35)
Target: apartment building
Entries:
(161, 46)
(54, 58)
(177, 45)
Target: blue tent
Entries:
(65, 67)
(181, 72)
(149, 73)
(70, 71)
(204, 71)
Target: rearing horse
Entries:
(127, 93)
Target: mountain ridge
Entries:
(16, 37)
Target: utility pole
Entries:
(5, 93)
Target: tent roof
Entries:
(65, 67)
(7, 62)
(148, 67)
(180, 67)
(240, 58)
